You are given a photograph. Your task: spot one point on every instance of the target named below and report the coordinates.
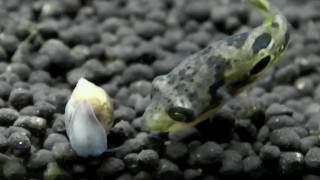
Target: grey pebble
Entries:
(291, 162)
(269, 153)
(9, 77)
(285, 138)
(40, 61)
(33, 123)
(184, 135)
(9, 42)
(5, 89)
(40, 159)
(143, 175)
(40, 76)
(133, 145)
(124, 113)
(137, 72)
(14, 169)
(58, 123)
(126, 176)
(252, 165)
(75, 74)
(123, 129)
(312, 159)
(20, 98)
(207, 155)
(111, 167)
(309, 142)
(3, 142)
(192, 174)
(115, 67)
(45, 109)
(263, 134)
(286, 92)
(176, 151)
(80, 54)
(149, 29)
(276, 109)
(141, 87)
(29, 111)
(231, 163)
(148, 158)
(168, 170)
(63, 152)
(52, 139)
(131, 161)
(19, 143)
(281, 121)
(15, 129)
(8, 116)
(244, 148)
(186, 48)
(54, 171)
(20, 69)
(59, 54)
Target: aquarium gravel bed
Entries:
(271, 130)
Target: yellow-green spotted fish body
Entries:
(200, 84)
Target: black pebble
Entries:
(124, 113)
(5, 89)
(19, 143)
(8, 116)
(168, 170)
(269, 153)
(207, 155)
(176, 151)
(148, 159)
(20, 98)
(285, 138)
(193, 174)
(231, 163)
(137, 72)
(40, 159)
(252, 166)
(291, 162)
(309, 142)
(111, 167)
(312, 159)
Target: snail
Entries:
(88, 117)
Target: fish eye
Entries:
(181, 114)
(263, 63)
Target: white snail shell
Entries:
(88, 117)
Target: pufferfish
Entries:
(197, 87)
(88, 117)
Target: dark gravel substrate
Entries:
(121, 45)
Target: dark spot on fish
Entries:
(275, 25)
(172, 78)
(261, 42)
(180, 87)
(182, 72)
(217, 64)
(261, 65)
(188, 114)
(237, 40)
(213, 91)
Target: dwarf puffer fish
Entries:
(88, 116)
(199, 86)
